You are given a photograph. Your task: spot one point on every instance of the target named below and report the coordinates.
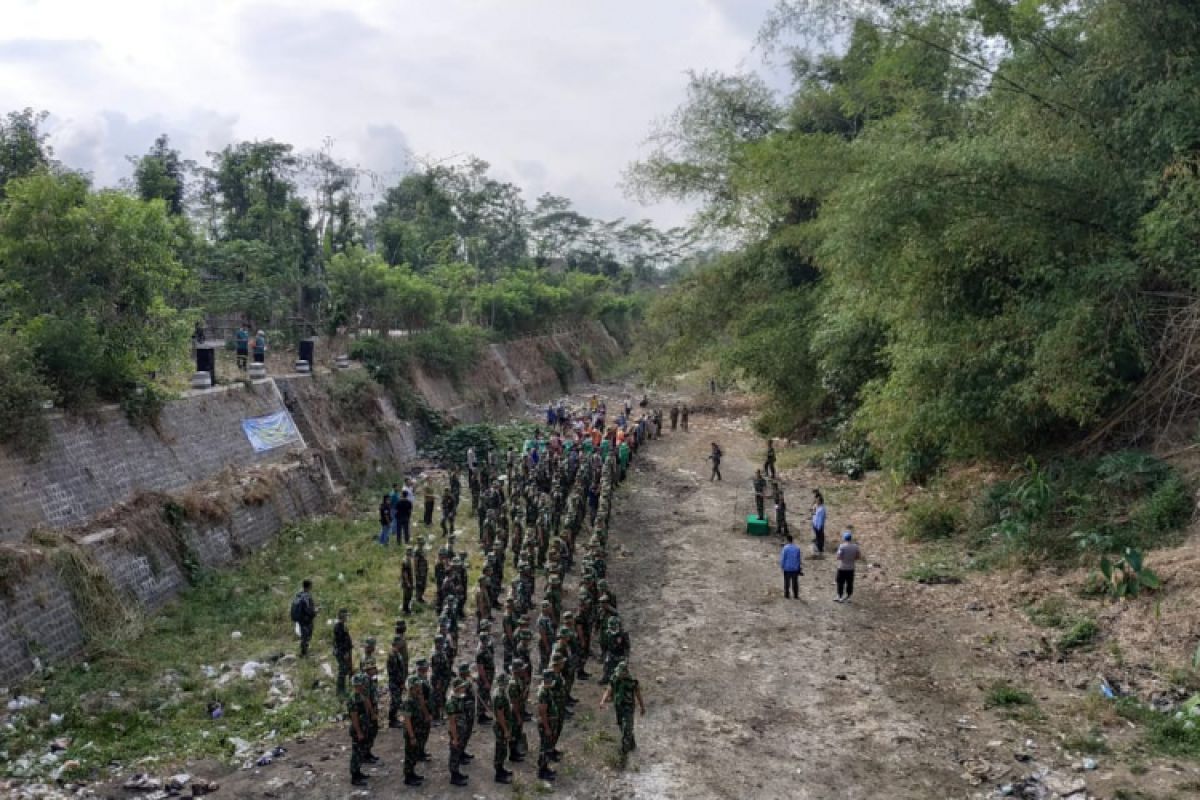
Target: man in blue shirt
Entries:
(791, 564)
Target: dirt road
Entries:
(748, 694)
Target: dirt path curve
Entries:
(750, 694)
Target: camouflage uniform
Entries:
(343, 651)
(356, 708)
(624, 696)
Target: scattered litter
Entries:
(176, 782)
(60, 744)
(1089, 764)
(208, 671)
(56, 719)
(21, 703)
(215, 709)
(250, 669)
(143, 783)
(236, 634)
(240, 746)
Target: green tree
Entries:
(88, 277)
(23, 147)
(161, 174)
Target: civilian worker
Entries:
(848, 555)
(790, 561)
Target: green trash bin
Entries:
(756, 526)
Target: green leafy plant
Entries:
(1128, 576)
(931, 518)
(1002, 694)
(1081, 634)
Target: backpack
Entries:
(298, 607)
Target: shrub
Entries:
(23, 393)
(563, 368)
(931, 518)
(1081, 634)
(1005, 695)
(353, 395)
(852, 456)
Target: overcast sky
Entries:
(558, 95)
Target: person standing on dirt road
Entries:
(715, 458)
(818, 523)
(781, 523)
(408, 579)
(624, 691)
(343, 650)
(791, 561)
(385, 518)
(760, 493)
(429, 493)
(356, 707)
(304, 612)
(674, 416)
(769, 464)
(683, 415)
(848, 554)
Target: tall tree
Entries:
(161, 174)
(23, 147)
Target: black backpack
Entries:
(298, 607)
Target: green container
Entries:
(756, 526)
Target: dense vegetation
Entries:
(100, 288)
(955, 229)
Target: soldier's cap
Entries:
(485, 637)
(485, 624)
(602, 583)
(358, 679)
(439, 638)
(413, 680)
(518, 663)
(343, 612)
(408, 550)
(568, 615)
(547, 675)
(558, 658)
(422, 663)
(508, 601)
(420, 540)
(464, 668)
(524, 634)
(401, 625)
(614, 623)
(545, 604)
(369, 666)
(371, 641)
(456, 561)
(564, 631)
(523, 619)
(621, 667)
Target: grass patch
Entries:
(1092, 743)
(1082, 634)
(1172, 734)
(936, 565)
(1004, 695)
(1077, 509)
(931, 519)
(186, 657)
(1052, 612)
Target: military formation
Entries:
(540, 515)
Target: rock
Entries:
(143, 783)
(177, 782)
(56, 719)
(1089, 764)
(202, 787)
(1064, 785)
(236, 634)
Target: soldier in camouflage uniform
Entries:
(397, 672)
(343, 650)
(440, 674)
(472, 702)
(373, 710)
(414, 716)
(421, 566)
(502, 727)
(425, 720)
(408, 579)
(356, 708)
(624, 691)
(548, 714)
(456, 728)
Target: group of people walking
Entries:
(546, 512)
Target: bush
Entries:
(851, 456)
(931, 518)
(1005, 695)
(23, 394)
(452, 445)
(1081, 634)
(353, 395)
(563, 368)
(1085, 508)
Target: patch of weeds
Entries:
(1081, 634)
(1004, 695)
(1092, 743)
(936, 565)
(930, 519)
(1052, 612)
(1164, 734)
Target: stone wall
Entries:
(138, 554)
(93, 464)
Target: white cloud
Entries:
(557, 96)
